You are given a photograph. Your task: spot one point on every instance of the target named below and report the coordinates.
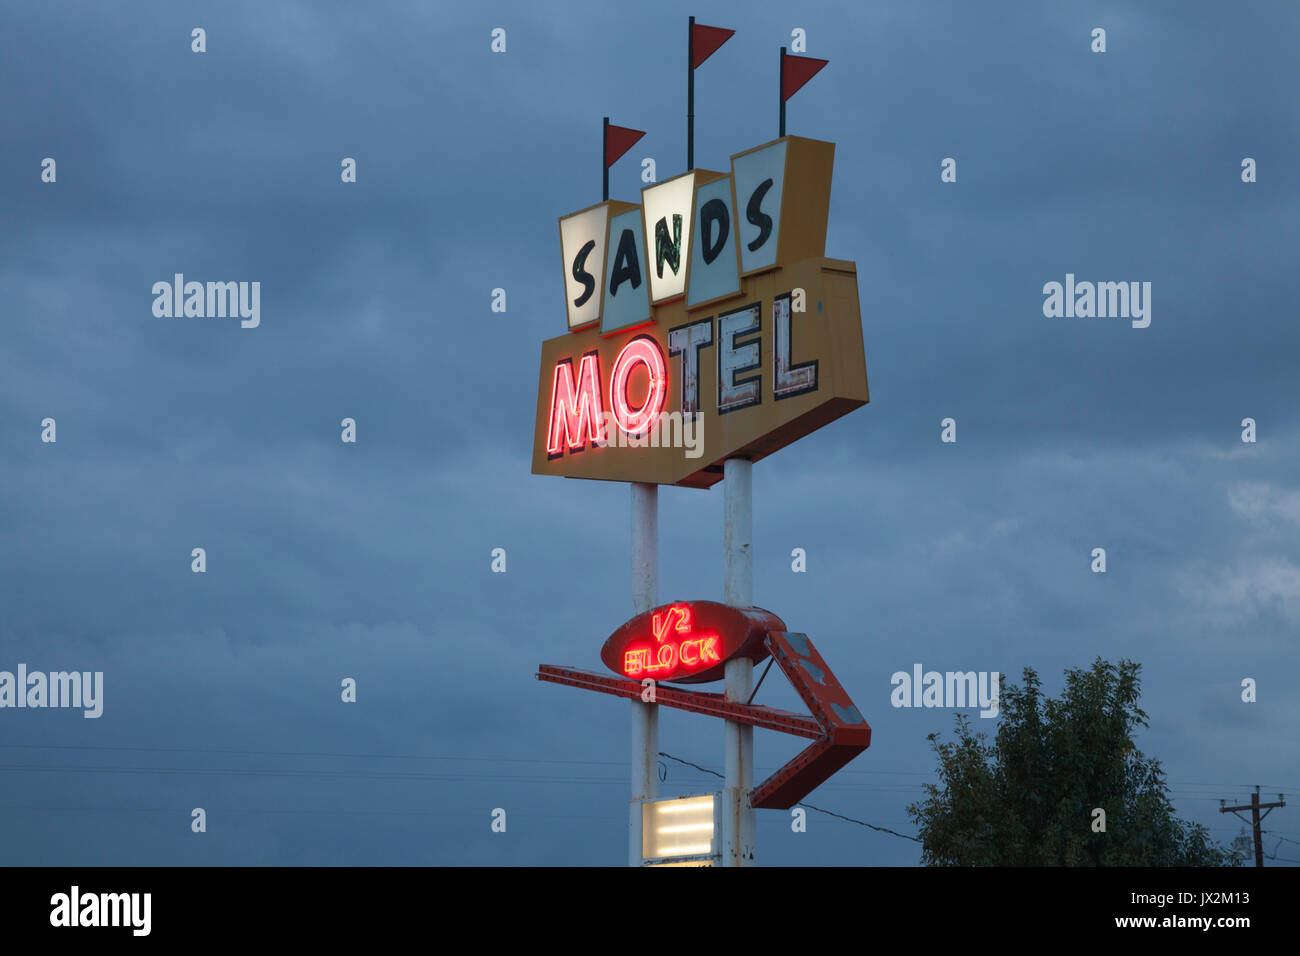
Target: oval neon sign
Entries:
(688, 642)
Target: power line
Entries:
(417, 775)
(538, 760)
(689, 764)
(876, 786)
(326, 774)
(298, 811)
(809, 806)
(862, 823)
(308, 753)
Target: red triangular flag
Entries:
(705, 42)
(798, 71)
(618, 140)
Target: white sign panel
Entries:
(713, 249)
(627, 298)
(668, 210)
(582, 241)
(760, 178)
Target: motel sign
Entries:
(706, 329)
(711, 306)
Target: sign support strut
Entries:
(738, 827)
(645, 716)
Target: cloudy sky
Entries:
(371, 560)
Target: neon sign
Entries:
(717, 292)
(580, 418)
(675, 644)
(688, 641)
(577, 419)
(642, 350)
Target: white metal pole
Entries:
(738, 835)
(645, 716)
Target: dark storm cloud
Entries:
(372, 561)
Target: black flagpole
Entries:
(690, 95)
(604, 167)
(780, 89)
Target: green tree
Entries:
(1027, 799)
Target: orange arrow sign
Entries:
(837, 727)
(845, 733)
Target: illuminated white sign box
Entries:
(681, 831)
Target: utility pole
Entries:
(1254, 807)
